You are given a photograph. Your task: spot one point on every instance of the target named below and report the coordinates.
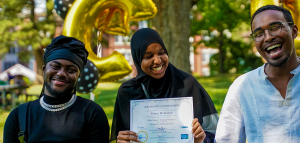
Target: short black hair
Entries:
(286, 13)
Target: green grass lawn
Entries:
(216, 87)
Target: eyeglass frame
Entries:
(281, 23)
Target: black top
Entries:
(175, 83)
(84, 121)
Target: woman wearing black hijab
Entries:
(160, 79)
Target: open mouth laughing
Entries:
(157, 70)
(274, 51)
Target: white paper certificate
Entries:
(164, 120)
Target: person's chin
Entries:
(158, 76)
(58, 88)
(279, 62)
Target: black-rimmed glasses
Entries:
(274, 29)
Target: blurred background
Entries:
(209, 39)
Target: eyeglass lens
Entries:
(273, 29)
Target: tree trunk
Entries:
(32, 15)
(221, 53)
(38, 54)
(174, 26)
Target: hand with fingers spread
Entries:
(127, 136)
(198, 132)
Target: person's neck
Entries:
(54, 100)
(283, 71)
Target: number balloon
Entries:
(110, 16)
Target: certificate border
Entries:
(135, 103)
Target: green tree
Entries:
(239, 58)
(222, 24)
(20, 24)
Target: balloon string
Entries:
(99, 50)
(99, 45)
(99, 39)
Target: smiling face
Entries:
(60, 77)
(155, 61)
(276, 50)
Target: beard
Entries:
(279, 62)
(59, 94)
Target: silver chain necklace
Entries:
(59, 107)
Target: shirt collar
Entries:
(296, 70)
(264, 76)
(262, 71)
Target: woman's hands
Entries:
(198, 132)
(127, 136)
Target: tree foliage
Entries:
(237, 60)
(223, 25)
(21, 25)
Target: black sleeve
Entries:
(11, 128)
(117, 123)
(98, 124)
(121, 114)
(210, 137)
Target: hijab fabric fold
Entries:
(175, 83)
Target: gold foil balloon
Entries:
(110, 16)
(111, 65)
(256, 4)
(294, 7)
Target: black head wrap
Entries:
(175, 83)
(68, 48)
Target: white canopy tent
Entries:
(18, 69)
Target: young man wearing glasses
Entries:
(263, 106)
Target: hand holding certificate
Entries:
(167, 120)
(198, 132)
(127, 135)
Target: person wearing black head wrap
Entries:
(59, 115)
(67, 48)
(160, 80)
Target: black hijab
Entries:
(175, 83)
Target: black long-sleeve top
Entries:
(84, 121)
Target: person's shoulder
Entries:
(88, 105)
(186, 76)
(11, 127)
(14, 113)
(13, 118)
(128, 83)
(128, 86)
(251, 76)
(84, 101)
(181, 73)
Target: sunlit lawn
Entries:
(216, 87)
